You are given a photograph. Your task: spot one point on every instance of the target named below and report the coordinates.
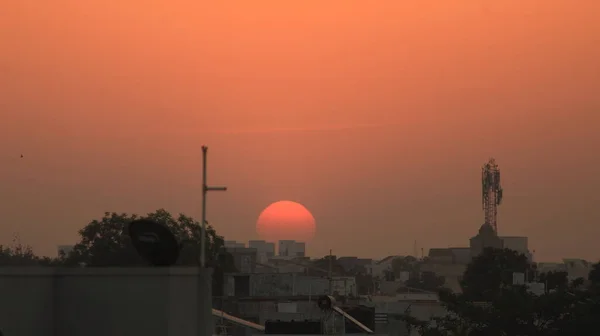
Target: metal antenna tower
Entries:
(491, 192)
(205, 190)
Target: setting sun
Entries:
(286, 220)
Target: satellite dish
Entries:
(326, 302)
(154, 242)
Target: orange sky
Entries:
(376, 115)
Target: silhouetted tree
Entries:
(106, 242)
(501, 308)
(554, 280)
(408, 264)
(17, 256)
(491, 270)
(22, 255)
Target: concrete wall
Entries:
(44, 301)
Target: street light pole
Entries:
(205, 190)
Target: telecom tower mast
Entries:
(491, 192)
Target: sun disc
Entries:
(286, 220)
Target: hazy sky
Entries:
(376, 115)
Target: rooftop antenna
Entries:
(205, 190)
(491, 192)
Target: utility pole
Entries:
(205, 190)
(330, 275)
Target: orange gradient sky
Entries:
(376, 115)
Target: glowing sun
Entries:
(286, 220)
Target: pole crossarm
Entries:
(205, 190)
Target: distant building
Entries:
(381, 267)
(577, 268)
(449, 263)
(486, 237)
(461, 255)
(233, 244)
(64, 249)
(451, 255)
(545, 267)
(351, 264)
(291, 248)
(265, 250)
(300, 249)
(518, 244)
(244, 258)
(287, 284)
(440, 256)
(287, 265)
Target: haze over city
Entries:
(376, 117)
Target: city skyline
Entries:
(379, 123)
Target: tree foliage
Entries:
(501, 308)
(554, 280)
(105, 242)
(408, 264)
(492, 270)
(19, 254)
